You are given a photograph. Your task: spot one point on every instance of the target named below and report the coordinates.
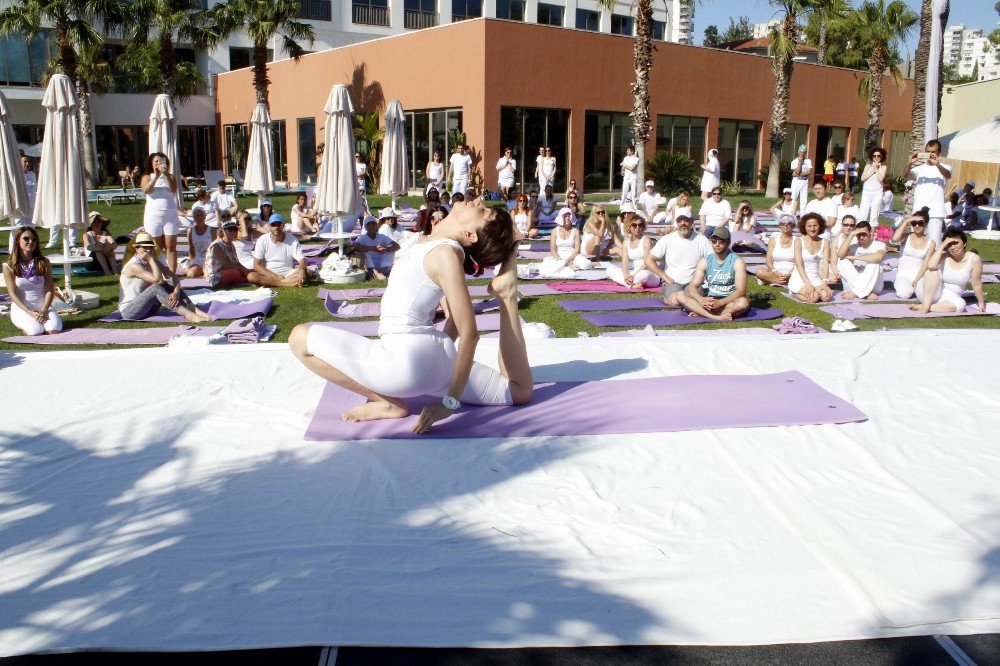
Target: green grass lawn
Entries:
(293, 306)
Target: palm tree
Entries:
(261, 20)
(73, 22)
(784, 43)
(93, 77)
(826, 12)
(368, 138)
(879, 28)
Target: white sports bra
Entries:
(411, 298)
(956, 276)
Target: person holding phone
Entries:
(159, 218)
(871, 186)
(930, 177)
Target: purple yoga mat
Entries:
(532, 254)
(616, 407)
(378, 292)
(115, 336)
(669, 318)
(484, 322)
(196, 283)
(218, 310)
(537, 289)
(598, 287)
(605, 304)
(903, 311)
(841, 312)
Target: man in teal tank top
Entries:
(718, 289)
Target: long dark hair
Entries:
(149, 161)
(41, 263)
(494, 243)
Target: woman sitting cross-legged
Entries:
(199, 236)
(565, 257)
(411, 357)
(812, 262)
(951, 268)
(780, 254)
(631, 272)
(99, 244)
(143, 286)
(28, 276)
(914, 254)
(600, 235)
(222, 262)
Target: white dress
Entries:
(910, 261)
(713, 178)
(565, 246)
(812, 264)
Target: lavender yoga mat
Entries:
(669, 318)
(618, 407)
(538, 290)
(841, 312)
(597, 287)
(348, 310)
(903, 311)
(378, 292)
(484, 322)
(115, 336)
(218, 310)
(605, 304)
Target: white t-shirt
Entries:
(716, 212)
(278, 257)
(508, 170)
(460, 165)
(361, 169)
(807, 167)
(681, 255)
(856, 250)
(649, 203)
(826, 207)
(928, 188)
(210, 207)
(223, 200)
(538, 164)
(629, 163)
(374, 259)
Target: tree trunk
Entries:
(168, 64)
(260, 80)
(918, 116)
(642, 59)
(783, 67)
(821, 55)
(86, 122)
(66, 60)
(876, 69)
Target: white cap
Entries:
(386, 213)
(266, 202)
(650, 183)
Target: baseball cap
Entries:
(386, 213)
(721, 233)
(370, 219)
(266, 202)
(230, 224)
(650, 183)
(275, 219)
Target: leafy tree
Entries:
(827, 12)
(712, 36)
(368, 138)
(739, 30)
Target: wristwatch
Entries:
(450, 402)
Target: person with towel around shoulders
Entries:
(413, 358)
(222, 262)
(681, 250)
(860, 263)
(779, 262)
(724, 276)
(952, 267)
(379, 250)
(144, 282)
(565, 256)
(812, 262)
(28, 276)
(636, 246)
(99, 244)
(914, 254)
(277, 258)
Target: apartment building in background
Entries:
(970, 52)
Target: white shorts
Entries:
(405, 365)
(157, 227)
(507, 182)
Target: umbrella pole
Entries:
(67, 268)
(394, 210)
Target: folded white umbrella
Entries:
(13, 193)
(163, 139)
(395, 178)
(259, 176)
(337, 186)
(61, 198)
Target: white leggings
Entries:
(405, 365)
(871, 206)
(30, 325)
(641, 276)
(942, 295)
(860, 282)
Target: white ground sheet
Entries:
(165, 499)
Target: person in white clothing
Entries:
(949, 271)
(930, 179)
(888, 198)
(632, 271)
(808, 282)
(547, 174)
(860, 264)
(361, 169)
(915, 253)
(389, 225)
(565, 255)
(715, 212)
(648, 203)
(838, 192)
(681, 251)
(871, 187)
(822, 205)
(28, 279)
(435, 173)
(802, 168)
(786, 205)
(305, 220)
(679, 205)
(277, 258)
(160, 219)
(459, 166)
(538, 168)
(711, 177)
(379, 250)
(600, 234)
(846, 207)
(199, 236)
(506, 166)
(204, 201)
(547, 205)
(630, 167)
(223, 199)
(779, 262)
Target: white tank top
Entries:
(812, 262)
(160, 204)
(783, 258)
(200, 243)
(32, 291)
(873, 184)
(788, 208)
(955, 276)
(522, 221)
(636, 253)
(411, 298)
(435, 171)
(564, 246)
(130, 287)
(910, 259)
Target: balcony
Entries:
(370, 15)
(415, 20)
(463, 17)
(315, 10)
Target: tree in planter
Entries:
(673, 172)
(368, 138)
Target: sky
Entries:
(971, 13)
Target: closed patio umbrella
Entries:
(395, 178)
(61, 199)
(13, 193)
(259, 176)
(163, 139)
(337, 186)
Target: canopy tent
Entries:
(979, 143)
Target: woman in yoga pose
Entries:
(950, 269)
(411, 357)
(632, 272)
(812, 262)
(914, 254)
(780, 254)
(600, 234)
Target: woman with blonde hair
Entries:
(636, 247)
(601, 236)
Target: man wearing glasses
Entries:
(277, 258)
(860, 262)
(724, 276)
(930, 179)
(715, 212)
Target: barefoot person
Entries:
(812, 262)
(143, 286)
(632, 272)
(780, 258)
(277, 258)
(28, 276)
(412, 357)
(950, 269)
(914, 254)
(99, 244)
(860, 264)
(724, 275)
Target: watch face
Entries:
(450, 402)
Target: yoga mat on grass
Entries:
(484, 322)
(590, 274)
(605, 304)
(347, 309)
(197, 283)
(841, 312)
(617, 407)
(538, 290)
(378, 292)
(115, 336)
(532, 254)
(903, 311)
(597, 287)
(218, 310)
(669, 318)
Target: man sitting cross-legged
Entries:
(277, 258)
(681, 251)
(724, 275)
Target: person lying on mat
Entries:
(277, 258)
(600, 234)
(144, 282)
(99, 244)
(724, 276)
(565, 256)
(632, 271)
(378, 250)
(199, 237)
(222, 262)
(860, 263)
(28, 276)
(951, 268)
(780, 258)
(812, 262)
(412, 357)
(681, 251)
(914, 254)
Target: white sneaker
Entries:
(849, 325)
(838, 326)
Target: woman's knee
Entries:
(521, 395)
(297, 339)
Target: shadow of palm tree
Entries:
(366, 95)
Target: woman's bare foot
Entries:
(848, 296)
(872, 296)
(373, 411)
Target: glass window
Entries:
(682, 134)
(240, 57)
(466, 9)
(370, 12)
(195, 145)
(588, 20)
(738, 143)
(525, 131)
(280, 148)
(512, 10)
(795, 136)
(427, 133)
(621, 25)
(307, 150)
(237, 141)
(659, 30)
(23, 61)
(315, 10)
(550, 14)
(419, 14)
(606, 135)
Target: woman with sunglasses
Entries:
(780, 258)
(28, 276)
(914, 254)
(950, 270)
(871, 186)
(846, 207)
(523, 219)
(812, 262)
(744, 219)
(222, 263)
(632, 272)
(601, 236)
(565, 256)
(786, 205)
(143, 286)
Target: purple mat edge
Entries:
(670, 318)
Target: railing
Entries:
(464, 17)
(369, 15)
(415, 20)
(315, 10)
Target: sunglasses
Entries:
(275, 224)
(636, 226)
(919, 223)
(27, 238)
(716, 194)
(838, 187)
(718, 240)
